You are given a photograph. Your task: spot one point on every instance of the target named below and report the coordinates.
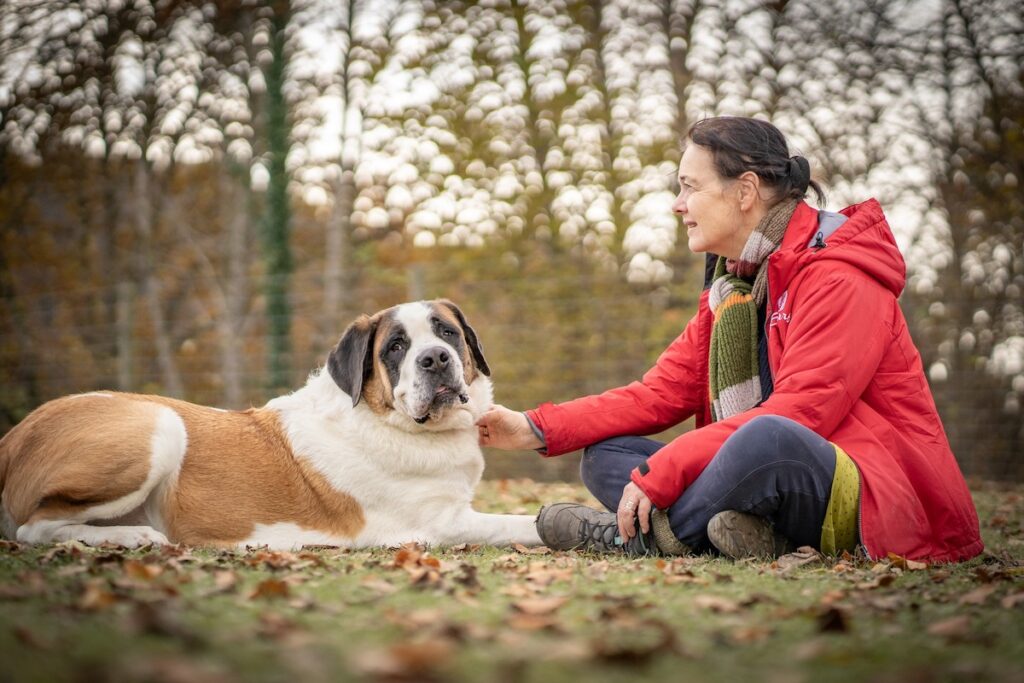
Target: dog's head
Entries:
(420, 360)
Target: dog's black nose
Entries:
(433, 360)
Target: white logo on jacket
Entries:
(378, 448)
(779, 314)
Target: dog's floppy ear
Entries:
(471, 338)
(351, 361)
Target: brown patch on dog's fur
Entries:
(238, 469)
(377, 390)
(59, 461)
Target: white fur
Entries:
(412, 395)
(287, 536)
(414, 482)
(92, 394)
(167, 450)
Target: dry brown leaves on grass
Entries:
(405, 610)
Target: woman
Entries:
(815, 423)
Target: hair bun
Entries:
(799, 169)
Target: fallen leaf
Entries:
(29, 638)
(276, 626)
(954, 628)
(757, 598)
(717, 604)
(539, 605)
(141, 571)
(467, 577)
(978, 596)
(506, 563)
(833, 620)
(225, 580)
(750, 634)
(905, 564)
(832, 597)
(67, 549)
(519, 590)
(95, 597)
(379, 586)
(414, 660)
(877, 582)
(1012, 600)
(637, 645)
(532, 622)
(465, 548)
(805, 555)
(536, 550)
(269, 589)
(157, 619)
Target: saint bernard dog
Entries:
(377, 449)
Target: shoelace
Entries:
(601, 535)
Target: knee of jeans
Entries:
(760, 437)
(590, 462)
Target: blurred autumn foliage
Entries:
(197, 197)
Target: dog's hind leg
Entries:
(99, 511)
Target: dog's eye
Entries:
(448, 333)
(395, 347)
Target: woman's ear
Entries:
(748, 187)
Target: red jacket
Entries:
(843, 365)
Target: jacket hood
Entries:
(858, 235)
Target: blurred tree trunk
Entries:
(169, 373)
(338, 278)
(236, 288)
(276, 225)
(677, 22)
(123, 334)
(542, 226)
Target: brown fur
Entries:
(59, 461)
(238, 469)
(377, 390)
(468, 365)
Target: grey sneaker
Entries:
(568, 526)
(740, 535)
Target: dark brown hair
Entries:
(738, 144)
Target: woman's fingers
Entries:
(634, 504)
(643, 513)
(500, 427)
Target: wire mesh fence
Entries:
(548, 337)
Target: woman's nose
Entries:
(679, 205)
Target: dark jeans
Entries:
(772, 467)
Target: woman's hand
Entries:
(633, 504)
(507, 429)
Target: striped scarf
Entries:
(734, 375)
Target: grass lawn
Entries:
(73, 613)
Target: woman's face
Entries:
(709, 208)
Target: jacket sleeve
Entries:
(840, 327)
(668, 393)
